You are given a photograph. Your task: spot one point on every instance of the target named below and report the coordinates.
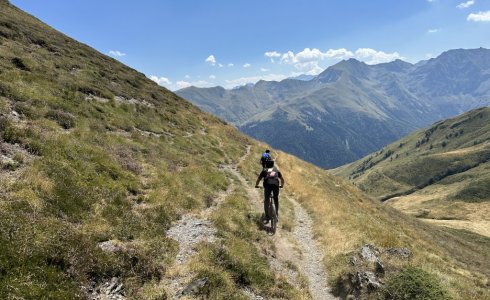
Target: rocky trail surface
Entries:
(296, 255)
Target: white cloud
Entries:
(371, 56)
(308, 60)
(187, 76)
(253, 79)
(163, 81)
(482, 16)
(310, 55)
(272, 55)
(211, 59)
(312, 69)
(230, 65)
(247, 65)
(339, 53)
(202, 83)
(434, 30)
(117, 53)
(466, 4)
(182, 84)
(264, 70)
(220, 65)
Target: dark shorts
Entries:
(268, 189)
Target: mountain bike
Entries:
(272, 212)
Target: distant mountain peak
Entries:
(303, 77)
(397, 65)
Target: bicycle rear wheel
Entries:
(272, 213)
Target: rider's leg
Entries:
(275, 190)
(267, 196)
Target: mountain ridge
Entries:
(101, 169)
(396, 95)
(439, 174)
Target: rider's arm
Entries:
(259, 179)
(281, 179)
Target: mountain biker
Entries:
(273, 180)
(265, 157)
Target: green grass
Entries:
(86, 185)
(413, 283)
(236, 262)
(100, 169)
(419, 160)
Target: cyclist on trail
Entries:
(273, 180)
(265, 157)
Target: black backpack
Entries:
(271, 177)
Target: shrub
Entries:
(64, 119)
(414, 283)
(27, 110)
(19, 64)
(8, 132)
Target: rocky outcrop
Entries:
(108, 290)
(368, 268)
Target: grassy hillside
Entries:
(98, 162)
(440, 173)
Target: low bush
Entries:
(27, 110)
(414, 283)
(64, 119)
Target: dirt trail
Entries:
(297, 247)
(310, 261)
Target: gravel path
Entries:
(310, 262)
(297, 247)
(189, 232)
(308, 258)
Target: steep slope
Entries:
(352, 109)
(442, 172)
(113, 187)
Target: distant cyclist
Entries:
(266, 156)
(272, 181)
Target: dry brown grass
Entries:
(436, 205)
(345, 218)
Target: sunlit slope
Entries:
(346, 218)
(93, 153)
(442, 172)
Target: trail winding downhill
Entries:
(296, 248)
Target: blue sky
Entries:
(233, 42)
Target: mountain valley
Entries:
(352, 109)
(112, 187)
